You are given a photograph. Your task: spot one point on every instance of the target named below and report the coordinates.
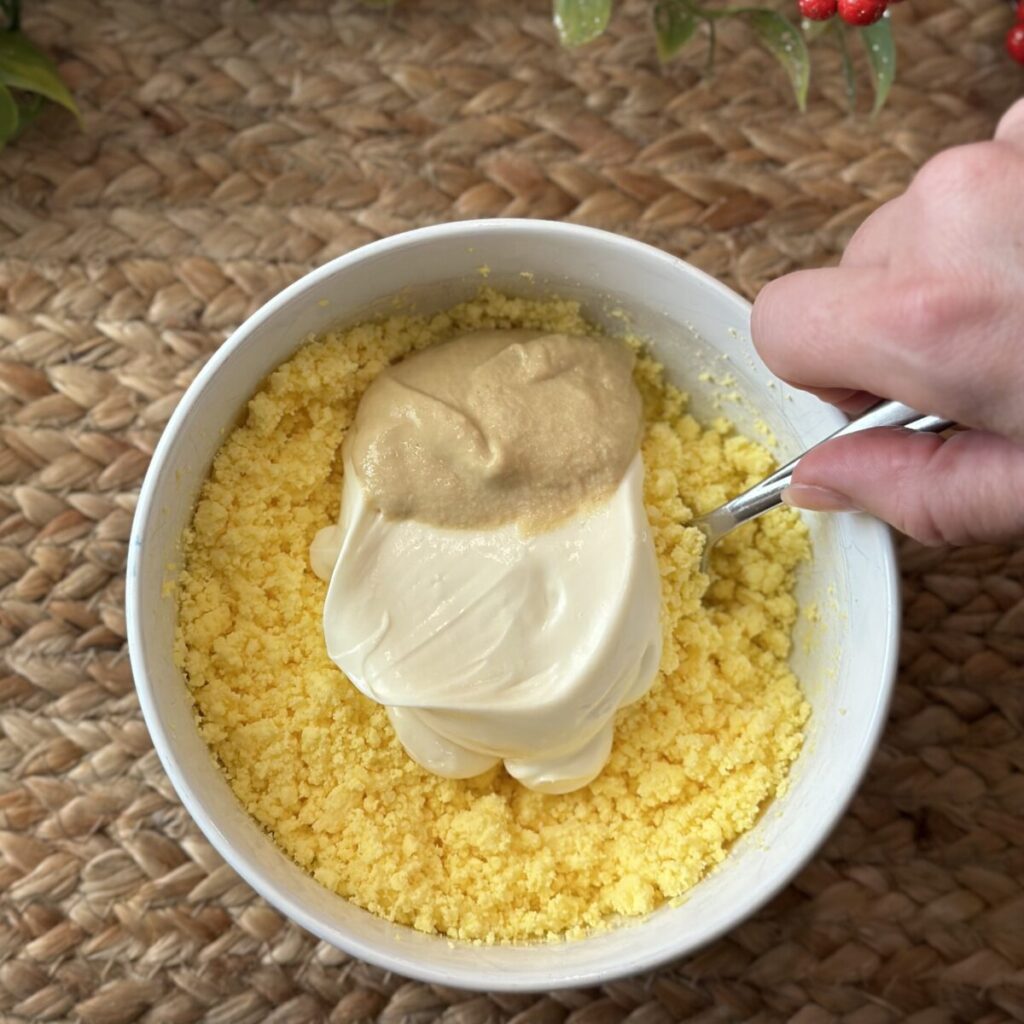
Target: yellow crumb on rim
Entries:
(317, 764)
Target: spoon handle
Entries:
(768, 493)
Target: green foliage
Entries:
(676, 22)
(22, 66)
(27, 77)
(8, 114)
(580, 21)
(849, 74)
(783, 41)
(674, 26)
(881, 51)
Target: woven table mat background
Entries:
(227, 148)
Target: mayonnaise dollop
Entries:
(489, 645)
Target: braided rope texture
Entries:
(227, 148)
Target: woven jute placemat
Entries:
(226, 149)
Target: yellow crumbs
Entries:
(317, 763)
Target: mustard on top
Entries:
(498, 427)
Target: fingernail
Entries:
(817, 499)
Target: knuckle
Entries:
(911, 511)
(930, 505)
(918, 516)
(926, 311)
(917, 520)
(956, 176)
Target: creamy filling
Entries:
(493, 580)
(495, 645)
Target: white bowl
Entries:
(697, 327)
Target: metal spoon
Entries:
(768, 493)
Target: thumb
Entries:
(965, 489)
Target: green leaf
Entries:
(849, 74)
(580, 21)
(30, 106)
(22, 66)
(881, 51)
(814, 30)
(8, 115)
(674, 26)
(780, 37)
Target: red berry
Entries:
(861, 12)
(1015, 42)
(1020, 10)
(819, 10)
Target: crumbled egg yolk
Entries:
(316, 762)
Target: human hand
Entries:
(926, 307)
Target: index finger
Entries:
(896, 336)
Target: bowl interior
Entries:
(700, 331)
